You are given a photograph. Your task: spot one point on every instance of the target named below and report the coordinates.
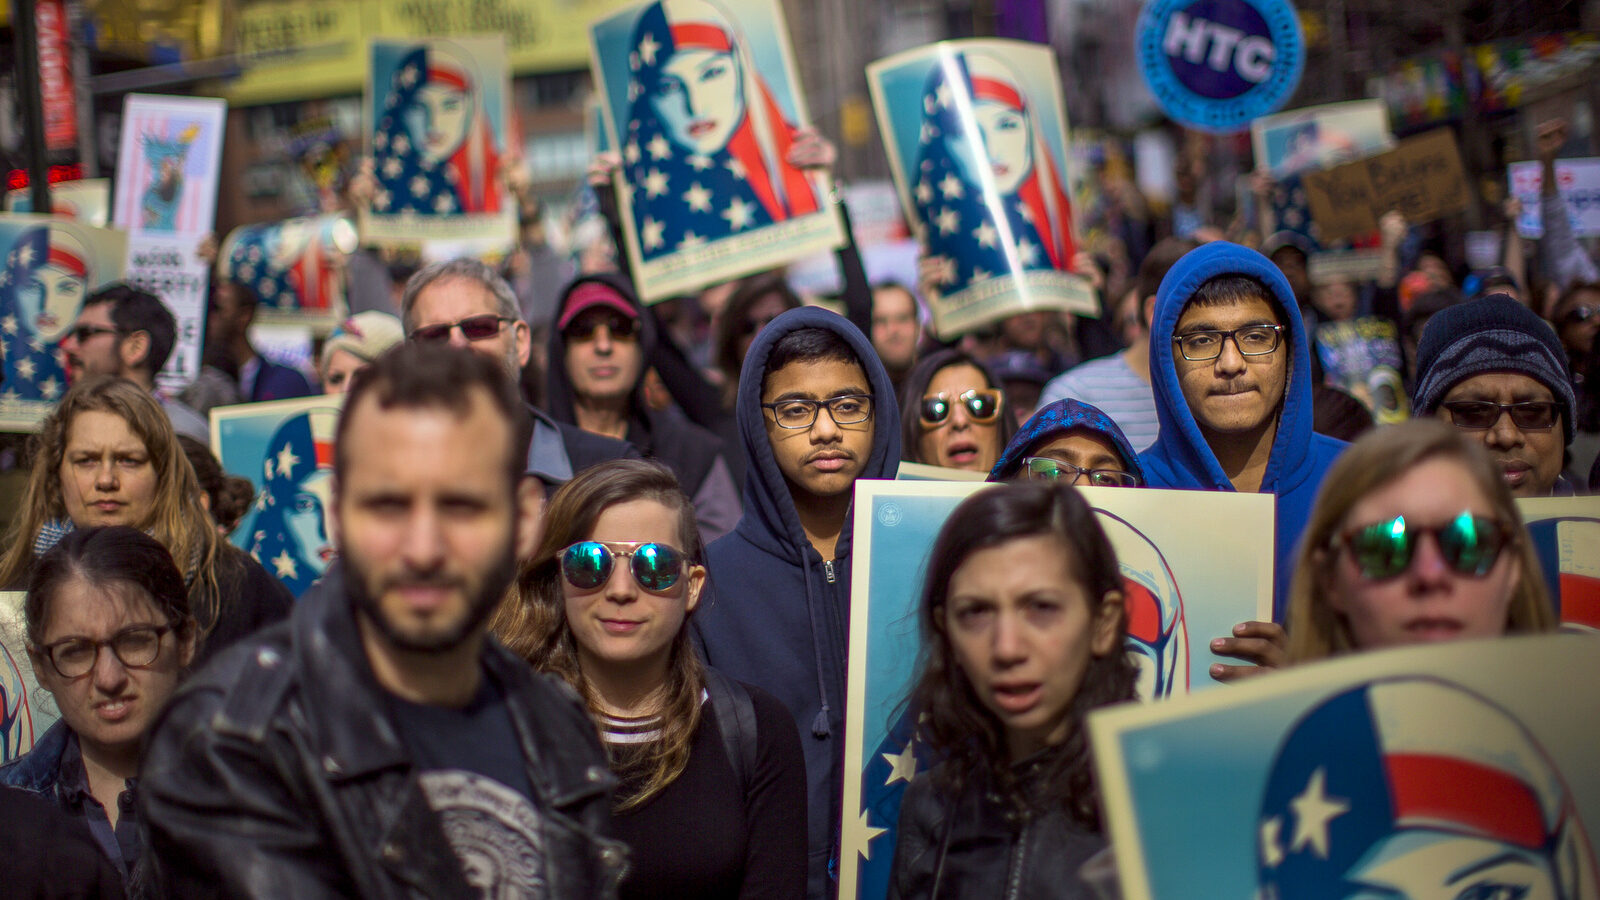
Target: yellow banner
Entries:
(296, 49)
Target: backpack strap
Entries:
(736, 718)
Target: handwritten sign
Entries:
(1423, 178)
(1578, 183)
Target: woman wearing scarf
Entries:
(433, 152)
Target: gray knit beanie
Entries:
(1492, 334)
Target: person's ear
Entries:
(1107, 619)
(697, 584)
(1147, 311)
(133, 350)
(522, 336)
(529, 515)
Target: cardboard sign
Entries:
(1423, 178)
(1184, 586)
(1458, 770)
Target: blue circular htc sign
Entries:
(1217, 64)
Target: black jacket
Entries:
(276, 772)
(970, 847)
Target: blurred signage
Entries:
(1577, 182)
(296, 49)
(1216, 64)
(1423, 178)
(55, 76)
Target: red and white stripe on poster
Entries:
(55, 76)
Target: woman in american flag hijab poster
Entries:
(48, 266)
(294, 266)
(1462, 770)
(702, 102)
(976, 135)
(437, 118)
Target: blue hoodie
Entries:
(778, 614)
(1054, 420)
(1181, 458)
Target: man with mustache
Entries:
(1230, 367)
(816, 411)
(1498, 372)
(380, 744)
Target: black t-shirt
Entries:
(470, 765)
(703, 837)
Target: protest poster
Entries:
(26, 710)
(437, 120)
(86, 200)
(1423, 178)
(1184, 586)
(285, 449)
(1456, 770)
(1319, 137)
(1577, 183)
(703, 102)
(1362, 357)
(1566, 538)
(977, 139)
(910, 471)
(50, 265)
(1215, 65)
(168, 165)
(295, 267)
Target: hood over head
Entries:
(770, 519)
(602, 288)
(1054, 420)
(1180, 457)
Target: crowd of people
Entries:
(586, 634)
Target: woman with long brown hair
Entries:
(1023, 627)
(712, 796)
(108, 456)
(1414, 538)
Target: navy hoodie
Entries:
(778, 614)
(1181, 458)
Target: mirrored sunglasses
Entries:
(982, 406)
(1470, 545)
(587, 565)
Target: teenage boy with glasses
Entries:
(1230, 366)
(816, 411)
(1497, 371)
(465, 303)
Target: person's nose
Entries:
(602, 340)
(105, 475)
(423, 547)
(1429, 570)
(1010, 645)
(960, 419)
(1504, 433)
(825, 430)
(1230, 361)
(620, 587)
(458, 338)
(110, 675)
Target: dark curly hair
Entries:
(954, 723)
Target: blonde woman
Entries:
(108, 456)
(712, 797)
(1414, 538)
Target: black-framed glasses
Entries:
(1043, 468)
(848, 409)
(1252, 340)
(135, 647)
(83, 333)
(584, 326)
(1478, 415)
(983, 405)
(1470, 544)
(587, 565)
(473, 328)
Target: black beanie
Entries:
(1492, 334)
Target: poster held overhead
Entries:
(48, 266)
(295, 268)
(977, 138)
(702, 101)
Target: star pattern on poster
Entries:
(1313, 810)
(902, 765)
(33, 370)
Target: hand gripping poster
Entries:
(438, 122)
(977, 139)
(1566, 538)
(166, 199)
(1183, 587)
(702, 101)
(48, 265)
(1459, 770)
(285, 448)
(295, 267)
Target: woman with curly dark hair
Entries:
(1023, 626)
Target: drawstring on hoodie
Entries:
(820, 729)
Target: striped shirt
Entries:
(1108, 383)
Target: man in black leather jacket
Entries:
(379, 744)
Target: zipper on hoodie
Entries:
(827, 566)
